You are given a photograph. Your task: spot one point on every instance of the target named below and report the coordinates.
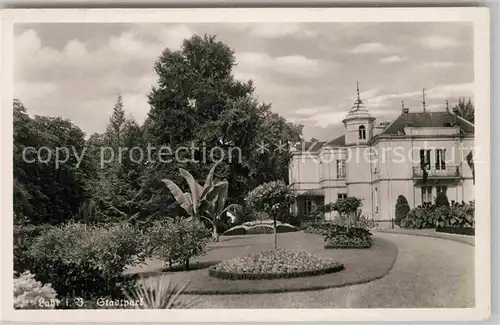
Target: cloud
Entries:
(78, 74)
(292, 65)
(310, 110)
(374, 47)
(439, 42)
(393, 59)
(440, 64)
(276, 30)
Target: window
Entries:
(441, 189)
(341, 196)
(426, 194)
(340, 168)
(362, 132)
(425, 158)
(440, 159)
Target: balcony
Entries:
(449, 172)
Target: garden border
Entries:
(468, 240)
(336, 267)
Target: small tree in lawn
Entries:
(402, 209)
(274, 198)
(347, 207)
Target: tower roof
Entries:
(358, 109)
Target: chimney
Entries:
(403, 108)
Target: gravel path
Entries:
(429, 273)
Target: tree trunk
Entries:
(275, 234)
(215, 235)
(348, 222)
(187, 264)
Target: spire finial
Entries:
(447, 108)
(423, 98)
(357, 88)
(402, 105)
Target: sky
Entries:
(308, 72)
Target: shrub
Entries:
(86, 261)
(431, 216)
(338, 236)
(419, 218)
(274, 264)
(24, 236)
(402, 209)
(237, 230)
(176, 241)
(260, 229)
(30, 294)
(442, 200)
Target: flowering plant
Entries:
(31, 294)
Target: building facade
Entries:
(417, 155)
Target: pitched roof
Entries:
(309, 145)
(428, 119)
(337, 142)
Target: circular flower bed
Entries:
(274, 264)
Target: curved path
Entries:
(428, 273)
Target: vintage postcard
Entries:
(246, 165)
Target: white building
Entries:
(379, 162)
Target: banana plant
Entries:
(203, 202)
(215, 211)
(199, 198)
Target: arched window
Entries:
(362, 132)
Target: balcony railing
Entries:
(449, 171)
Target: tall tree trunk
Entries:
(215, 234)
(275, 234)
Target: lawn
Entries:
(361, 265)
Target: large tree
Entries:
(465, 109)
(198, 102)
(46, 191)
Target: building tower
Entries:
(359, 130)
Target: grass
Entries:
(360, 266)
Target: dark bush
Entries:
(442, 200)
(457, 230)
(24, 236)
(402, 209)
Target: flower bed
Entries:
(260, 229)
(285, 227)
(346, 241)
(274, 264)
(339, 237)
(234, 231)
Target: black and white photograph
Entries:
(226, 163)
